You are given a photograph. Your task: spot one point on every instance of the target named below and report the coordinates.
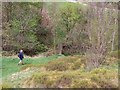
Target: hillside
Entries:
(59, 72)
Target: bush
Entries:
(36, 49)
(64, 63)
(6, 85)
(100, 71)
(64, 81)
(68, 72)
(97, 78)
(77, 65)
(103, 77)
(8, 53)
(41, 48)
(114, 53)
(42, 80)
(83, 83)
(57, 65)
(40, 77)
(28, 50)
(110, 60)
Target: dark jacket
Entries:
(21, 55)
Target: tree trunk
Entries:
(54, 35)
(113, 38)
(60, 48)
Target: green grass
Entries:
(9, 65)
(0, 67)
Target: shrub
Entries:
(97, 78)
(6, 85)
(8, 53)
(57, 65)
(114, 53)
(44, 79)
(66, 63)
(78, 64)
(41, 48)
(64, 81)
(83, 83)
(62, 64)
(68, 72)
(40, 77)
(103, 77)
(110, 60)
(100, 71)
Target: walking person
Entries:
(20, 55)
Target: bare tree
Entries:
(100, 21)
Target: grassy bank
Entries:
(55, 72)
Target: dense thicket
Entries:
(20, 27)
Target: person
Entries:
(20, 55)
